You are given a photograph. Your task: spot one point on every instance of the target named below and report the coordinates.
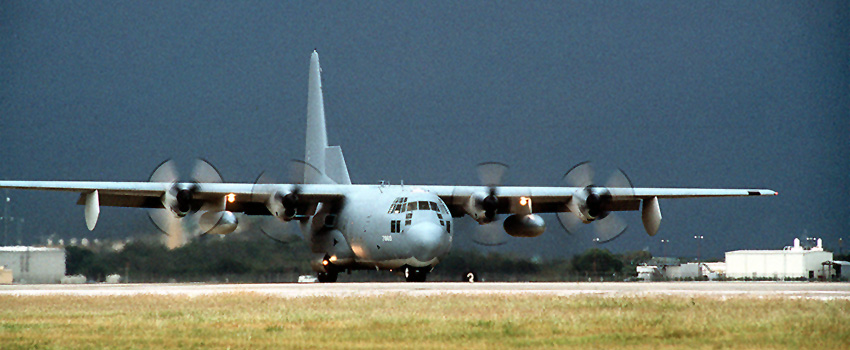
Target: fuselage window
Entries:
(423, 205)
(449, 226)
(395, 226)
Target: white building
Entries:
(791, 262)
(34, 264)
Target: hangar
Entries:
(33, 264)
(789, 263)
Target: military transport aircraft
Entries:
(403, 228)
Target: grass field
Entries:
(247, 320)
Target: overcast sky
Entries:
(678, 94)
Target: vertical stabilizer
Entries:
(328, 160)
(317, 136)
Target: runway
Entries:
(295, 290)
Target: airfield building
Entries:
(792, 262)
(33, 264)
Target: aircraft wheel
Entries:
(327, 277)
(414, 274)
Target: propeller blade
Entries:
(489, 235)
(164, 172)
(609, 228)
(269, 225)
(163, 219)
(581, 175)
(170, 225)
(570, 222)
(204, 172)
(491, 173)
(619, 179)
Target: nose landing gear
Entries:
(415, 274)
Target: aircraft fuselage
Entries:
(384, 227)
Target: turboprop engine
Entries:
(482, 207)
(529, 225)
(590, 203)
(284, 205)
(179, 199)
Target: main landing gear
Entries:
(326, 277)
(413, 274)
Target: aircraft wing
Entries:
(554, 199)
(574, 204)
(246, 198)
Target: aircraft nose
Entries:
(428, 239)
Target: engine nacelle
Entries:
(179, 201)
(590, 203)
(482, 207)
(283, 205)
(530, 225)
(218, 223)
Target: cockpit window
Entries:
(423, 205)
(398, 205)
(434, 206)
(411, 206)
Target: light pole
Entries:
(699, 245)
(6, 219)
(663, 243)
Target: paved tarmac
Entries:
(293, 290)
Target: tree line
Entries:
(255, 259)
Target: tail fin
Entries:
(328, 160)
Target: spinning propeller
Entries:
(594, 204)
(284, 206)
(490, 234)
(182, 210)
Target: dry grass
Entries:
(246, 320)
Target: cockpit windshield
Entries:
(401, 205)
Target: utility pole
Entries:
(6, 219)
(20, 229)
(699, 245)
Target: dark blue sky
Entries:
(678, 94)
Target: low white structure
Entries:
(838, 269)
(791, 262)
(683, 271)
(648, 273)
(34, 264)
(695, 271)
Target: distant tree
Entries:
(636, 257)
(82, 261)
(597, 262)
